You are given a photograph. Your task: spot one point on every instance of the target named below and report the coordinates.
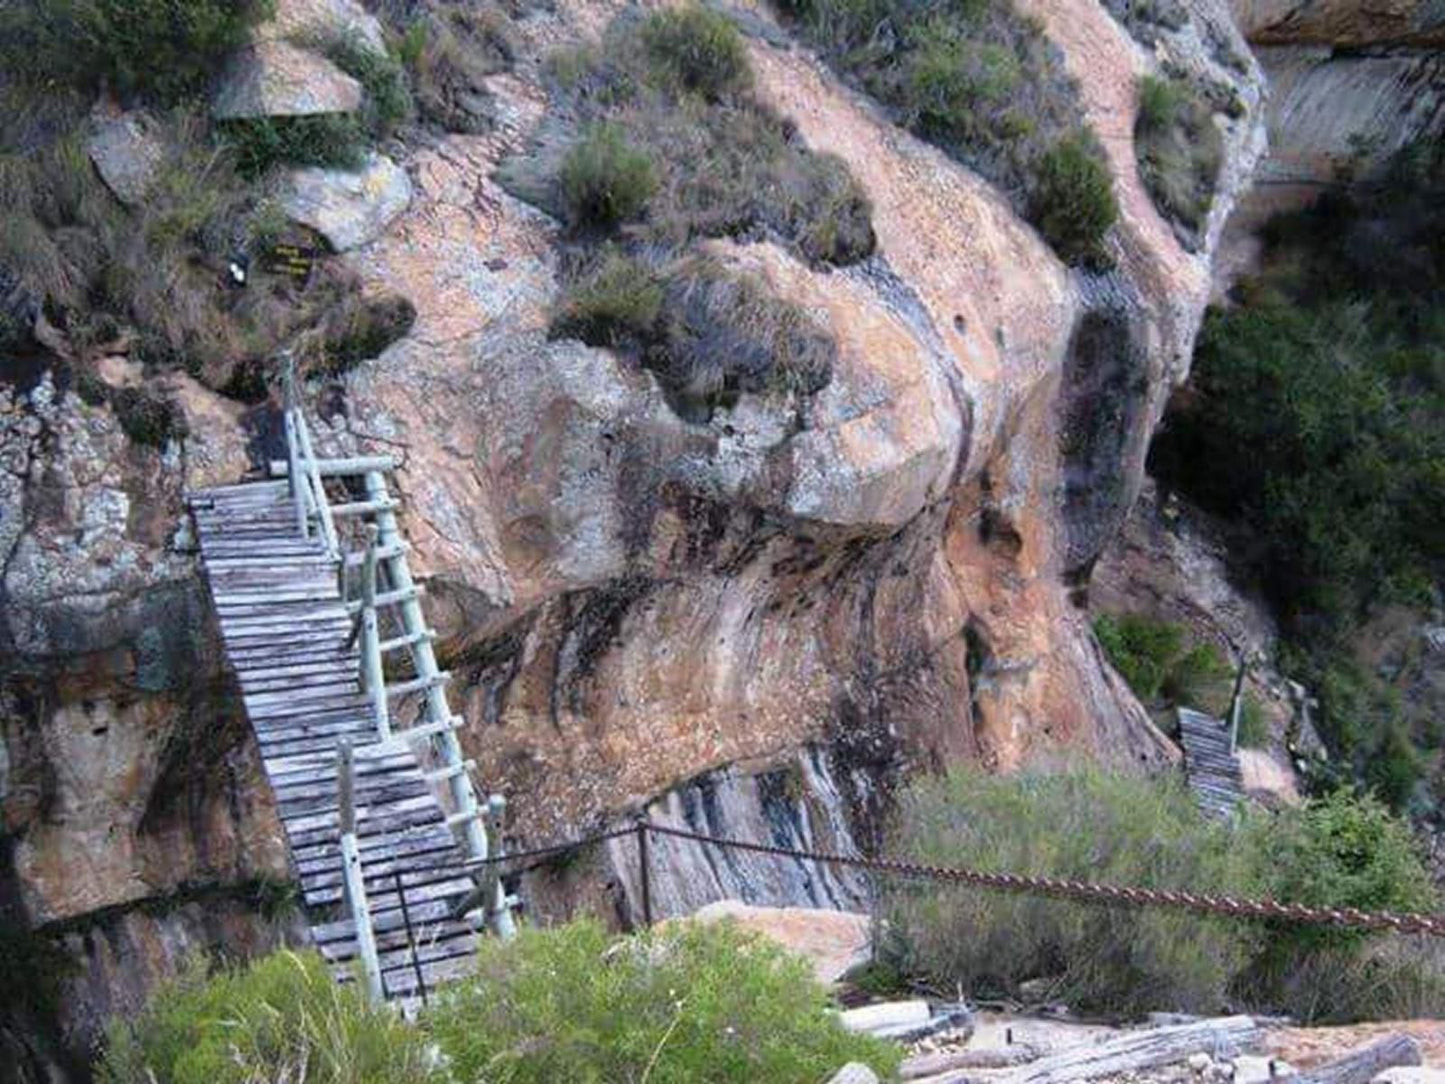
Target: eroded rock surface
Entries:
(348, 208)
(274, 78)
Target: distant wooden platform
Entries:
(1210, 768)
(285, 628)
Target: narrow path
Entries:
(285, 628)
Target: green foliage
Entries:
(605, 180)
(695, 1003)
(162, 49)
(1083, 825)
(1134, 831)
(1073, 203)
(325, 139)
(615, 303)
(382, 77)
(1317, 422)
(281, 1018)
(699, 50)
(1159, 664)
(982, 82)
(1179, 149)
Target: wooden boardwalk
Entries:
(1211, 769)
(285, 627)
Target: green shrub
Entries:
(605, 180)
(1132, 831)
(698, 50)
(282, 1018)
(694, 1003)
(382, 77)
(1073, 202)
(981, 81)
(259, 144)
(616, 303)
(1082, 825)
(165, 49)
(1142, 649)
(1179, 149)
(1200, 678)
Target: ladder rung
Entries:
(427, 730)
(416, 685)
(363, 508)
(449, 771)
(462, 818)
(407, 641)
(387, 598)
(330, 468)
(392, 549)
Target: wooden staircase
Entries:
(383, 824)
(1210, 765)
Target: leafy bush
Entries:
(1083, 825)
(1156, 660)
(282, 1018)
(1073, 203)
(699, 50)
(693, 1003)
(1134, 831)
(382, 77)
(164, 49)
(982, 82)
(259, 144)
(606, 181)
(1179, 149)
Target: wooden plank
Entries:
(1362, 1065)
(396, 843)
(334, 468)
(1139, 1050)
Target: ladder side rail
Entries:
(295, 483)
(318, 489)
(438, 710)
(354, 884)
(373, 677)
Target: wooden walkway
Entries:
(285, 627)
(1209, 766)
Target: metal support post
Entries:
(644, 860)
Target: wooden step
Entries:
(410, 640)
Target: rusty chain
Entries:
(1089, 891)
(1056, 887)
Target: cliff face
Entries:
(787, 611)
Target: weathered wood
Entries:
(952, 1061)
(338, 468)
(1361, 1066)
(1139, 1050)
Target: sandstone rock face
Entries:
(349, 209)
(1341, 23)
(756, 625)
(274, 78)
(834, 942)
(127, 151)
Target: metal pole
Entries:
(410, 939)
(1236, 703)
(645, 864)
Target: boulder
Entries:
(834, 942)
(274, 78)
(127, 151)
(1256, 1069)
(323, 20)
(1411, 1074)
(854, 1073)
(349, 209)
(887, 1015)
